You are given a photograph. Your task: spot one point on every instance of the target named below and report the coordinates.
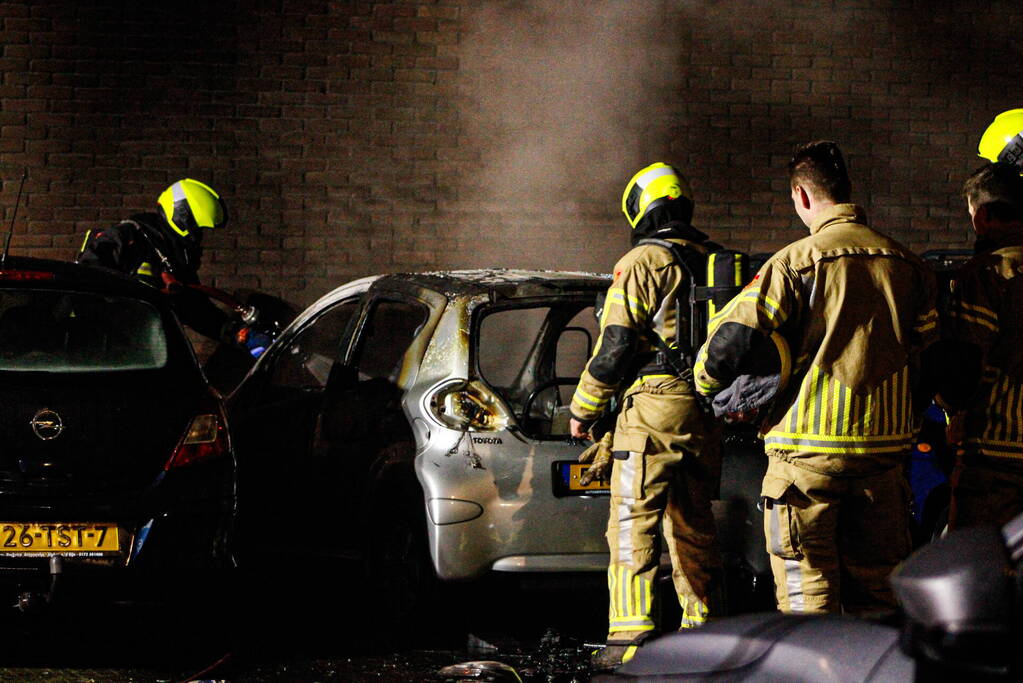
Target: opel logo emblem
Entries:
(46, 424)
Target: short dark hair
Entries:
(999, 187)
(820, 165)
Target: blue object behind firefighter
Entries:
(929, 468)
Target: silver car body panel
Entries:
(522, 526)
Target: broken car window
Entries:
(533, 356)
(307, 360)
(389, 330)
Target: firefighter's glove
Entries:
(252, 340)
(599, 457)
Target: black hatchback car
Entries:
(116, 465)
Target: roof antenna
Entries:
(10, 231)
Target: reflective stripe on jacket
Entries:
(986, 311)
(856, 309)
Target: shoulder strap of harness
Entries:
(680, 357)
(144, 231)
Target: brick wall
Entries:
(360, 137)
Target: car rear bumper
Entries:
(180, 547)
(583, 562)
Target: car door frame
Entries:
(244, 400)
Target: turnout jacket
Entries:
(642, 297)
(985, 312)
(134, 247)
(856, 309)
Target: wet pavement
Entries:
(307, 628)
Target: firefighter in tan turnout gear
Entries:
(666, 455)
(984, 325)
(856, 309)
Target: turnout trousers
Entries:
(986, 491)
(833, 541)
(667, 466)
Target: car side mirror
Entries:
(957, 594)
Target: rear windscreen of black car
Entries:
(62, 331)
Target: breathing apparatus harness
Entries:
(703, 272)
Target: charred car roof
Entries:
(505, 283)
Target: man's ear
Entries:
(981, 219)
(800, 195)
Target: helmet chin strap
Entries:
(194, 236)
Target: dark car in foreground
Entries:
(116, 466)
(419, 422)
(961, 603)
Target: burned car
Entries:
(116, 468)
(425, 416)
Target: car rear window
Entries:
(518, 347)
(61, 331)
(533, 355)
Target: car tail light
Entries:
(24, 275)
(468, 406)
(205, 438)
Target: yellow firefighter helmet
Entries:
(1002, 141)
(655, 185)
(189, 205)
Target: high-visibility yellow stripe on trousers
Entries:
(631, 600)
(631, 596)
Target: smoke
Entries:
(563, 102)
(568, 100)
